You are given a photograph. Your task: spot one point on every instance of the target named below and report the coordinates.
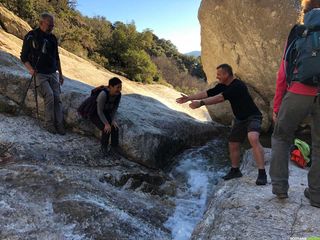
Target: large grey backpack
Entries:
(303, 53)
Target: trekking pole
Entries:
(21, 104)
(36, 96)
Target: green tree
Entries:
(139, 66)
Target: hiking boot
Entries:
(280, 195)
(51, 129)
(262, 177)
(307, 195)
(105, 150)
(61, 130)
(115, 152)
(233, 173)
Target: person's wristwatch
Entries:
(202, 103)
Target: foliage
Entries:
(180, 80)
(141, 56)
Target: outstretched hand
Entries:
(182, 99)
(194, 104)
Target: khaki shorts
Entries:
(241, 128)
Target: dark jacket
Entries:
(41, 50)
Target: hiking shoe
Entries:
(115, 152)
(51, 129)
(105, 150)
(233, 173)
(307, 195)
(262, 179)
(281, 195)
(61, 130)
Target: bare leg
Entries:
(257, 149)
(234, 151)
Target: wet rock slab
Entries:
(56, 187)
(242, 210)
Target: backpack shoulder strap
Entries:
(33, 36)
(293, 35)
(290, 51)
(97, 90)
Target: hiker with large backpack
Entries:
(101, 108)
(297, 95)
(40, 56)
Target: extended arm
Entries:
(197, 96)
(281, 87)
(208, 101)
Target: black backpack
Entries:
(89, 106)
(302, 55)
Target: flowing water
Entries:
(196, 171)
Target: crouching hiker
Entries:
(101, 108)
(247, 120)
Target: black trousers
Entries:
(105, 136)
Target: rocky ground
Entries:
(61, 187)
(242, 210)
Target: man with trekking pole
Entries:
(40, 56)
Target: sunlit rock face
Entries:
(249, 35)
(13, 24)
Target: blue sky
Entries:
(175, 20)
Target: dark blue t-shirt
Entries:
(238, 95)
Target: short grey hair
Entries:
(45, 16)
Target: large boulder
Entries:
(13, 24)
(250, 36)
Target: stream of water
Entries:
(197, 172)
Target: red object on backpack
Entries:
(297, 157)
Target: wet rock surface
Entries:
(57, 187)
(241, 210)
